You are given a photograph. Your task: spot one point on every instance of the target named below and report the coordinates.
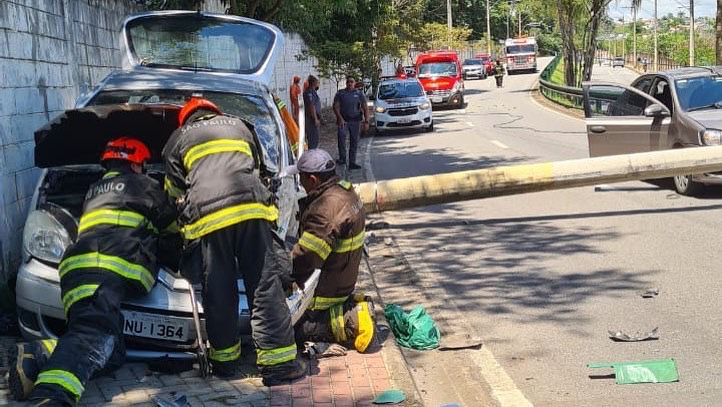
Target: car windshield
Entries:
(199, 43)
(521, 49)
(699, 93)
(437, 69)
(396, 90)
(248, 107)
(472, 62)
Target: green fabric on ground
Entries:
(415, 330)
(646, 371)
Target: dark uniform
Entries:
(499, 73)
(332, 237)
(226, 216)
(113, 258)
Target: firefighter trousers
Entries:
(246, 250)
(93, 342)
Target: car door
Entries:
(623, 119)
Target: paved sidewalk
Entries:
(352, 380)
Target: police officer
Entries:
(332, 232)
(113, 258)
(226, 215)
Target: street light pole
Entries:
(634, 38)
(488, 29)
(656, 45)
(691, 32)
(448, 21)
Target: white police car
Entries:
(402, 104)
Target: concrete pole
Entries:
(634, 38)
(656, 45)
(429, 190)
(448, 21)
(519, 32)
(488, 29)
(691, 32)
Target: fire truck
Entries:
(521, 54)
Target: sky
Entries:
(702, 8)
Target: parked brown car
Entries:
(673, 109)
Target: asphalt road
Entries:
(542, 277)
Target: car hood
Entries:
(202, 42)
(710, 119)
(472, 66)
(401, 102)
(79, 136)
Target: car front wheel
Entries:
(684, 185)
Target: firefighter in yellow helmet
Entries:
(226, 216)
(332, 232)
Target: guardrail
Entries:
(564, 95)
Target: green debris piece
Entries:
(646, 371)
(415, 330)
(391, 396)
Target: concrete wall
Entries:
(50, 52)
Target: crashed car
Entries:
(169, 57)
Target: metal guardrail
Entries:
(564, 95)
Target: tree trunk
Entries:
(718, 30)
(566, 26)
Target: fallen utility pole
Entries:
(428, 190)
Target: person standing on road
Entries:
(226, 214)
(332, 232)
(294, 93)
(312, 112)
(499, 73)
(351, 111)
(113, 258)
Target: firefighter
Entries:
(332, 232)
(499, 73)
(226, 215)
(113, 258)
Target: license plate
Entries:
(437, 99)
(403, 120)
(156, 326)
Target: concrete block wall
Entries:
(51, 51)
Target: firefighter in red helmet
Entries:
(226, 215)
(113, 258)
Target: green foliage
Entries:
(438, 36)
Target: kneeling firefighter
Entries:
(332, 232)
(113, 258)
(227, 215)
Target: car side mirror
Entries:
(656, 110)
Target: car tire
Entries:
(461, 103)
(430, 129)
(684, 185)
(378, 132)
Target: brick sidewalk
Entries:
(351, 380)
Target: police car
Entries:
(401, 103)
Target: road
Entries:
(542, 277)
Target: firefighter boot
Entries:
(284, 372)
(26, 359)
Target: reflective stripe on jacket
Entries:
(117, 233)
(332, 235)
(211, 167)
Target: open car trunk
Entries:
(78, 136)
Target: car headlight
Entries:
(457, 86)
(44, 237)
(380, 109)
(712, 137)
(425, 106)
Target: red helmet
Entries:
(193, 104)
(128, 149)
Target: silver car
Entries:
(474, 68)
(673, 109)
(170, 56)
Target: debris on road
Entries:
(388, 241)
(377, 225)
(415, 330)
(620, 336)
(392, 396)
(459, 342)
(650, 292)
(646, 371)
(180, 401)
